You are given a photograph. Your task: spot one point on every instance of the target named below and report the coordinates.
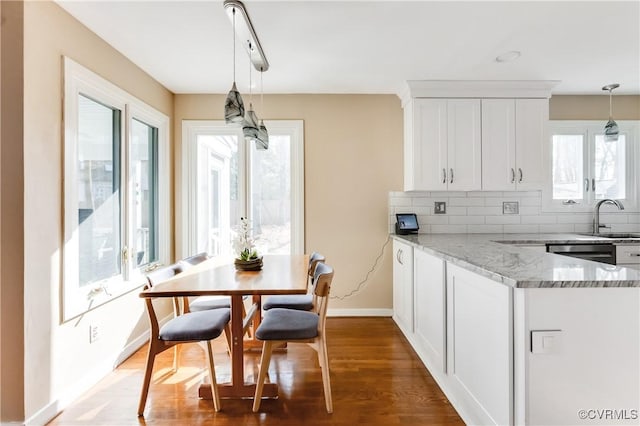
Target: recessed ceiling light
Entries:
(509, 56)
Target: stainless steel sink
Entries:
(613, 235)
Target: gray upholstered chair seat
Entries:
(300, 302)
(196, 326)
(205, 303)
(288, 324)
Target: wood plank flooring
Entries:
(377, 379)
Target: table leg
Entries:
(237, 388)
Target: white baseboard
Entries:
(359, 312)
(48, 412)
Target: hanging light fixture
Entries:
(263, 136)
(250, 126)
(233, 106)
(611, 130)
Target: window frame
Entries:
(590, 129)
(192, 128)
(79, 80)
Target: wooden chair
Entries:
(202, 303)
(191, 327)
(301, 302)
(294, 326)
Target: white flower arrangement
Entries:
(243, 244)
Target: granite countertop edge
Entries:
(497, 257)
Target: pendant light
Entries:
(233, 106)
(263, 136)
(611, 130)
(250, 124)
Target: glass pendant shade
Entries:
(262, 142)
(250, 126)
(611, 130)
(233, 106)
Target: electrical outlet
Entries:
(440, 207)
(94, 333)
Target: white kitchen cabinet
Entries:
(403, 286)
(513, 138)
(429, 308)
(442, 145)
(480, 345)
(628, 255)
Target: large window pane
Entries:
(144, 178)
(217, 200)
(568, 164)
(98, 182)
(271, 195)
(609, 167)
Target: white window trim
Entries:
(192, 128)
(80, 80)
(587, 128)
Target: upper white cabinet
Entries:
(513, 137)
(442, 145)
(475, 135)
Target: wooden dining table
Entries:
(280, 274)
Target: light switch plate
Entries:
(546, 341)
(439, 207)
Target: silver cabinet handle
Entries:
(634, 254)
(513, 175)
(520, 174)
(593, 185)
(399, 256)
(451, 170)
(586, 185)
(444, 175)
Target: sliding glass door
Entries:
(226, 178)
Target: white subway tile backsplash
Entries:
(537, 219)
(485, 229)
(466, 220)
(481, 212)
(557, 227)
(502, 220)
(449, 229)
(466, 202)
(521, 229)
(477, 211)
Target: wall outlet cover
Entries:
(439, 207)
(510, 207)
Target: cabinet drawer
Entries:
(627, 254)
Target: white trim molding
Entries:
(360, 312)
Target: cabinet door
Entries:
(480, 344)
(403, 286)
(498, 145)
(429, 307)
(463, 145)
(532, 116)
(429, 145)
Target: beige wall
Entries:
(59, 359)
(11, 217)
(594, 107)
(353, 158)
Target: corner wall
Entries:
(60, 363)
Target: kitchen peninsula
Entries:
(514, 335)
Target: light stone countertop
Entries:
(496, 256)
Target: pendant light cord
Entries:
(610, 104)
(250, 91)
(233, 11)
(261, 93)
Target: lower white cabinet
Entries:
(479, 346)
(403, 286)
(429, 307)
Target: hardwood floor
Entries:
(377, 379)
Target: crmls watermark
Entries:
(608, 414)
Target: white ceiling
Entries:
(375, 46)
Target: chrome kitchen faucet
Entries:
(596, 218)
